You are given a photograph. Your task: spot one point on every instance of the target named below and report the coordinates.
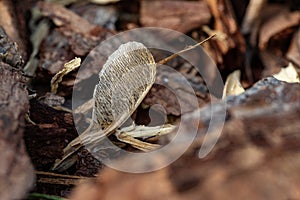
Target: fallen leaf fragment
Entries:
(68, 67)
(233, 85)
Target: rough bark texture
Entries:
(9, 52)
(11, 24)
(16, 171)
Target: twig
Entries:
(167, 59)
(60, 175)
(60, 179)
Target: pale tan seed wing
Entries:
(233, 85)
(125, 80)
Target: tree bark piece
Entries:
(8, 21)
(9, 52)
(182, 16)
(16, 171)
(72, 37)
(256, 157)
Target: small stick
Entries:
(61, 179)
(60, 175)
(167, 59)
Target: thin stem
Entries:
(167, 59)
(61, 175)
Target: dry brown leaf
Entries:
(276, 24)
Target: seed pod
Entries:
(124, 81)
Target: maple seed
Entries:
(124, 81)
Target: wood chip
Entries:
(72, 37)
(169, 90)
(61, 16)
(182, 16)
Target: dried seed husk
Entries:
(124, 81)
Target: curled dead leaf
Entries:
(68, 67)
